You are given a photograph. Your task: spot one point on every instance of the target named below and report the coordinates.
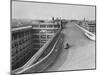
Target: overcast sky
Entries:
(31, 10)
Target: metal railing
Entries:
(89, 34)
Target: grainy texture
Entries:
(81, 54)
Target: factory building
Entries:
(27, 40)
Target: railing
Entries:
(90, 35)
(44, 57)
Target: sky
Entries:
(33, 10)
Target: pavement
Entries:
(81, 54)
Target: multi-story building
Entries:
(89, 25)
(44, 31)
(27, 40)
(92, 27)
(22, 44)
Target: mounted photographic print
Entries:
(52, 37)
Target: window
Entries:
(16, 44)
(43, 36)
(49, 26)
(42, 26)
(20, 42)
(15, 36)
(12, 45)
(43, 41)
(22, 34)
(49, 36)
(35, 26)
(56, 26)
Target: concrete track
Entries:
(81, 54)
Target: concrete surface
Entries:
(81, 54)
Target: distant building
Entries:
(89, 25)
(92, 26)
(84, 24)
(45, 31)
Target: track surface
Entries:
(81, 54)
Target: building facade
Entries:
(27, 40)
(22, 45)
(92, 27)
(44, 31)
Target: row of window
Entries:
(46, 36)
(48, 26)
(20, 41)
(21, 34)
(44, 31)
(21, 53)
(50, 31)
(22, 47)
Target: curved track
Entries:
(81, 54)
